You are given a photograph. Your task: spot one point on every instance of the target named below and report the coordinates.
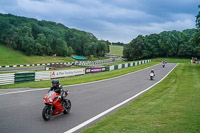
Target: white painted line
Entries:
(114, 107)
(15, 92)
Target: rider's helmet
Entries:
(55, 83)
(152, 70)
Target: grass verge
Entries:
(173, 106)
(171, 60)
(80, 79)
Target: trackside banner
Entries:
(95, 70)
(66, 73)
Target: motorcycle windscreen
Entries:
(50, 94)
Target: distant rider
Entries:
(152, 71)
(164, 62)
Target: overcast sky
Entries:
(113, 20)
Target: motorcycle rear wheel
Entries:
(67, 105)
(46, 113)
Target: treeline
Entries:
(183, 44)
(166, 44)
(34, 37)
(196, 38)
(118, 43)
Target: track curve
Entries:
(21, 112)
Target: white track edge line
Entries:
(116, 106)
(15, 92)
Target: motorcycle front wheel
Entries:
(47, 113)
(67, 106)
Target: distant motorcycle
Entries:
(163, 65)
(152, 75)
(54, 105)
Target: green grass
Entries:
(173, 106)
(80, 79)
(12, 57)
(116, 50)
(171, 60)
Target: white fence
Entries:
(42, 76)
(7, 79)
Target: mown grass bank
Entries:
(116, 50)
(80, 79)
(173, 106)
(12, 57)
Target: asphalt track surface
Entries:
(21, 69)
(21, 112)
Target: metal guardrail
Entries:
(24, 77)
(6, 79)
(13, 78)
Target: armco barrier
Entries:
(119, 66)
(82, 63)
(42, 76)
(24, 77)
(7, 79)
(115, 67)
(12, 78)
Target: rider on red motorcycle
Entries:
(57, 87)
(55, 101)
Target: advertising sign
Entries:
(66, 73)
(95, 70)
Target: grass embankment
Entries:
(12, 57)
(173, 106)
(116, 50)
(80, 79)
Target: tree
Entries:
(135, 49)
(198, 19)
(26, 41)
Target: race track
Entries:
(21, 112)
(21, 69)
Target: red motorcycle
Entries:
(54, 105)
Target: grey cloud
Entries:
(114, 20)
